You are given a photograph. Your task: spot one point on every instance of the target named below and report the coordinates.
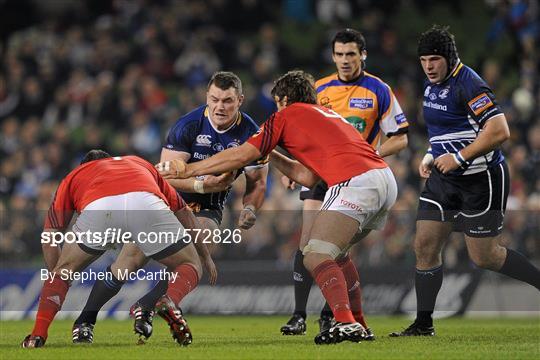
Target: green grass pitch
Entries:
(258, 337)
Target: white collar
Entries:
(222, 131)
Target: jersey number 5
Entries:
(331, 114)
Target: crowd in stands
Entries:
(118, 80)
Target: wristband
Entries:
(427, 160)
(198, 186)
(250, 208)
(461, 160)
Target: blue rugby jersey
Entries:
(455, 111)
(193, 133)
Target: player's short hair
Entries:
(297, 86)
(225, 80)
(95, 154)
(349, 35)
(439, 41)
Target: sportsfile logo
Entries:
(204, 140)
(360, 103)
(480, 103)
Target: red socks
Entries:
(353, 286)
(50, 301)
(186, 280)
(332, 283)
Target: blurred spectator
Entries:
(120, 80)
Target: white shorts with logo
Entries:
(151, 223)
(366, 198)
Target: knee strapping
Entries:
(322, 247)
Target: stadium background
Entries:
(77, 75)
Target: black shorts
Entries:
(212, 214)
(475, 204)
(315, 193)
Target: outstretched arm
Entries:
(294, 170)
(227, 160)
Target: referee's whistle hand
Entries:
(173, 169)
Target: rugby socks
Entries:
(186, 280)
(148, 301)
(427, 284)
(353, 287)
(51, 299)
(302, 284)
(326, 312)
(518, 267)
(102, 291)
(332, 283)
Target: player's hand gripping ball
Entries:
(172, 169)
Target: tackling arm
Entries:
(208, 185)
(294, 170)
(225, 161)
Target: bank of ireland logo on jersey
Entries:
(204, 140)
(480, 103)
(360, 103)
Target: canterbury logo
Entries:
(204, 140)
(297, 276)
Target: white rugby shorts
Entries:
(366, 198)
(143, 214)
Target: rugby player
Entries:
(370, 106)
(201, 133)
(106, 193)
(359, 194)
(467, 177)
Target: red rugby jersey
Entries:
(107, 177)
(328, 148)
